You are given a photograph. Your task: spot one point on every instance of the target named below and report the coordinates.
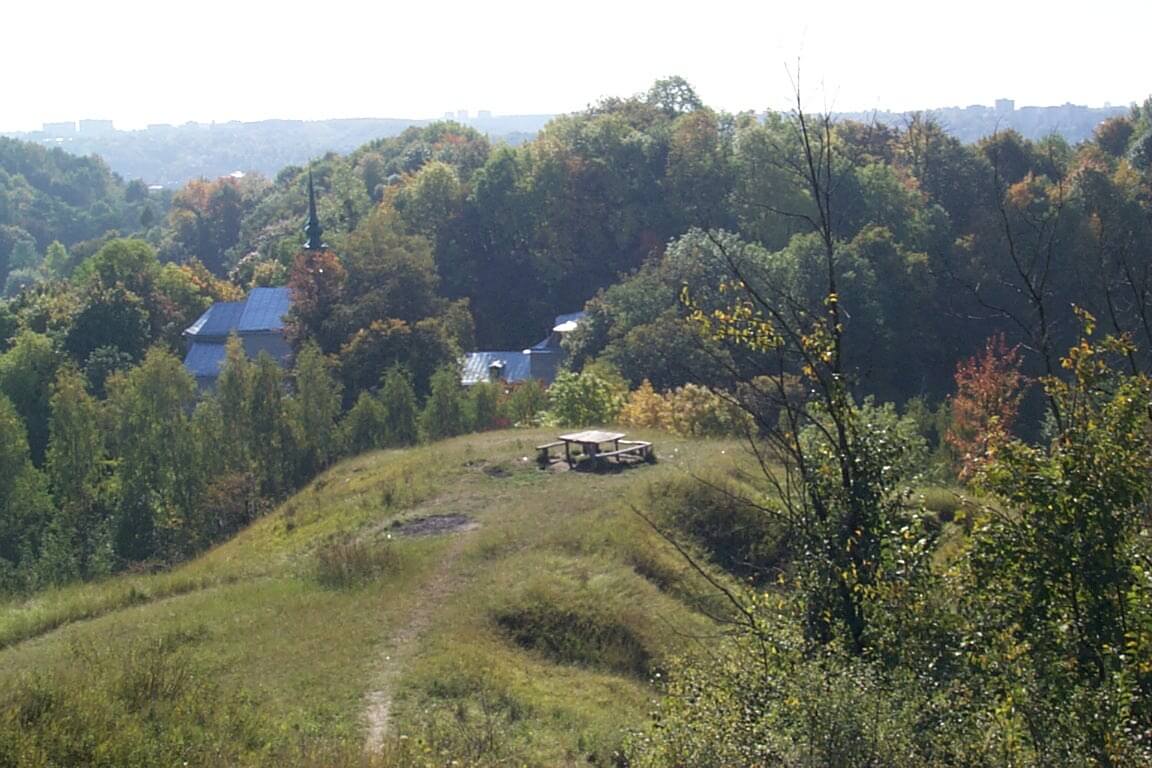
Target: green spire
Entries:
(312, 228)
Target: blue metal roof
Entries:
(218, 320)
(265, 310)
(517, 366)
(568, 318)
(204, 359)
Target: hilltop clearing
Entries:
(449, 601)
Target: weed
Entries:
(349, 562)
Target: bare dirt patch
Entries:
(434, 525)
(399, 648)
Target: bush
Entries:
(443, 414)
(484, 406)
(525, 403)
(365, 426)
(579, 399)
(347, 562)
(140, 703)
(719, 517)
(691, 411)
(696, 411)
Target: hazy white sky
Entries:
(154, 61)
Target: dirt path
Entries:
(399, 648)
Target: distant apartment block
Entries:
(55, 130)
(1005, 105)
(96, 127)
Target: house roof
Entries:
(205, 358)
(218, 320)
(564, 323)
(517, 366)
(262, 312)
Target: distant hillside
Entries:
(969, 124)
(47, 194)
(171, 155)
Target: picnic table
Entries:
(590, 442)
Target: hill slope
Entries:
(451, 601)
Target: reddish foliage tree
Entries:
(317, 284)
(988, 391)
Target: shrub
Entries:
(484, 406)
(691, 411)
(720, 518)
(347, 562)
(646, 408)
(443, 414)
(696, 411)
(526, 402)
(144, 702)
(365, 426)
(578, 399)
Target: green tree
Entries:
(57, 262)
(153, 442)
(401, 422)
(76, 463)
(273, 447)
(27, 371)
(484, 406)
(443, 414)
(365, 427)
(110, 317)
(25, 507)
(233, 393)
(315, 408)
(1063, 571)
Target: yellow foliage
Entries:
(646, 408)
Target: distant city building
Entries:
(462, 115)
(449, 115)
(1005, 105)
(54, 130)
(96, 127)
(484, 114)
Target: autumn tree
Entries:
(1060, 569)
(989, 387)
(317, 283)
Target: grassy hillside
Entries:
(450, 601)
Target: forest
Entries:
(875, 310)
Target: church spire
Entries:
(312, 228)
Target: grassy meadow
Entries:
(339, 630)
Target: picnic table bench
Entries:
(590, 442)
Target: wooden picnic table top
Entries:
(592, 436)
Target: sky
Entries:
(156, 61)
